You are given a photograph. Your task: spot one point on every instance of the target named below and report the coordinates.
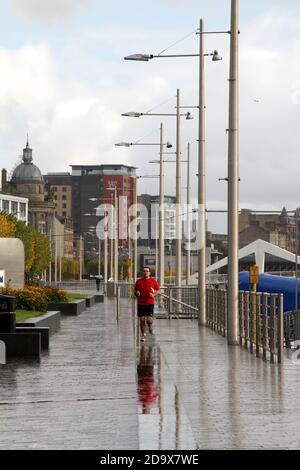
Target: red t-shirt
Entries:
(146, 287)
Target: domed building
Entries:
(27, 181)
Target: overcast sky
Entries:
(64, 80)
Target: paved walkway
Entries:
(82, 395)
(100, 388)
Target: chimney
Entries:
(3, 178)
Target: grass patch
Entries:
(72, 297)
(22, 315)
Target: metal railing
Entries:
(291, 328)
(216, 310)
(180, 302)
(261, 324)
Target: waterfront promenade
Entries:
(99, 388)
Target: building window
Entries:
(64, 190)
(64, 214)
(64, 198)
(64, 206)
(14, 208)
(5, 206)
(22, 210)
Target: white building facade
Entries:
(14, 205)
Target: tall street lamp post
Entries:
(116, 238)
(233, 180)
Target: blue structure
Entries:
(274, 285)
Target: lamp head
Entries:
(123, 144)
(169, 145)
(189, 116)
(139, 57)
(216, 56)
(132, 114)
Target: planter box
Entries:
(50, 320)
(71, 308)
(44, 332)
(90, 301)
(22, 344)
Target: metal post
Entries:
(116, 260)
(135, 242)
(178, 195)
(60, 250)
(161, 270)
(50, 264)
(99, 257)
(156, 245)
(280, 332)
(188, 201)
(201, 187)
(80, 258)
(55, 259)
(105, 257)
(118, 301)
(233, 180)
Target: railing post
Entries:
(241, 316)
(280, 353)
(118, 301)
(265, 325)
(272, 333)
(251, 322)
(208, 308)
(170, 302)
(247, 319)
(258, 324)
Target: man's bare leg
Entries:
(150, 323)
(143, 326)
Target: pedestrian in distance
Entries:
(146, 289)
(98, 280)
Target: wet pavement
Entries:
(83, 393)
(184, 388)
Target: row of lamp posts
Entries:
(233, 173)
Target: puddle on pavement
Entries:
(163, 423)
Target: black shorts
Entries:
(145, 310)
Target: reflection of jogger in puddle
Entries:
(148, 392)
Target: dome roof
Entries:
(27, 171)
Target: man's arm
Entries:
(156, 289)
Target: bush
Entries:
(35, 298)
(28, 298)
(55, 295)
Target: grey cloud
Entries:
(48, 9)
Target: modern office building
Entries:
(84, 189)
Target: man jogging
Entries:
(146, 289)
